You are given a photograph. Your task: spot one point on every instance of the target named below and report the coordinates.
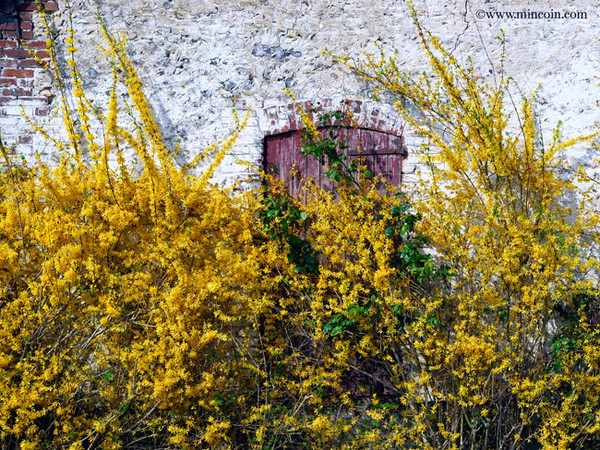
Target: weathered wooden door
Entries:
(382, 153)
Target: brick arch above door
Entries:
(370, 115)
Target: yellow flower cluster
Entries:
(503, 348)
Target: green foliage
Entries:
(282, 220)
(322, 141)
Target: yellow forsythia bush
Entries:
(151, 308)
(505, 350)
(123, 295)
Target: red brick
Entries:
(26, 34)
(9, 34)
(17, 92)
(26, 16)
(24, 63)
(42, 111)
(28, 6)
(8, 26)
(6, 63)
(17, 73)
(26, 26)
(292, 121)
(8, 82)
(25, 92)
(8, 44)
(25, 82)
(43, 54)
(16, 53)
(50, 6)
(32, 6)
(37, 44)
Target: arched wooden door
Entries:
(382, 152)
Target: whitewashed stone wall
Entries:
(199, 59)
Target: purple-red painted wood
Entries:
(382, 154)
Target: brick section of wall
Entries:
(19, 70)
